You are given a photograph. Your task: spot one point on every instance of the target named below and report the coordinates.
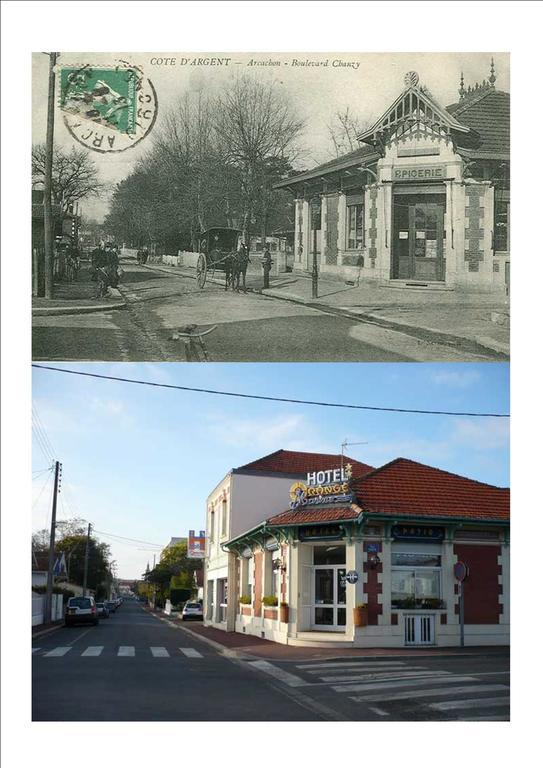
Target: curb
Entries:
(82, 310)
(441, 337)
(46, 631)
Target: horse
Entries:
(241, 262)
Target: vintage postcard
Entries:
(270, 206)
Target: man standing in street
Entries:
(266, 266)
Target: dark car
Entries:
(111, 605)
(80, 610)
(102, 610)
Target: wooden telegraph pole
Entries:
(51, 563)
(86, 567)
(47, 208)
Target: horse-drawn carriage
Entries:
(218, 251)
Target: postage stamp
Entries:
(107, 109)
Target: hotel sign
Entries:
(419, 173)
(328, 486)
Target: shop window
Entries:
(416, 581)
(355, 226)
(501, 221)
(329, 555)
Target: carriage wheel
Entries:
(201, 270)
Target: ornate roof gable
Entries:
(413, 111)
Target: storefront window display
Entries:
(416, 580)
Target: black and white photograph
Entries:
(270, 207)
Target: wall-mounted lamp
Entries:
(374, 561)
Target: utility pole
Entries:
(47, 185)
(315, 213)
(51, 562)
(86, 567)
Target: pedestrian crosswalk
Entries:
(402, 690)
(130, 651)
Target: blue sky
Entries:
(139, 461)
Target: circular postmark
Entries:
(107, 108)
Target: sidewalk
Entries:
(76, 298)
(443, 316)
(244, 646)
(43, 629)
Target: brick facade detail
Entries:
(372, 587)
(257, 604)
(474, 232)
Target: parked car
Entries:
(80, 610)
(102, 610)
(192, 610)
(111, 605)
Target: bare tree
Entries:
(344, 128)
(75, 175)
(257, 128)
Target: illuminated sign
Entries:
(324, 487)
(196, 545)
(419, 173)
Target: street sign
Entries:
(372, 547)
(460, 571)
(352, 577)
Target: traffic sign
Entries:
(460, 571)
(352, 577)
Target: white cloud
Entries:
(267, 434)
(481, 434)
(456, 379)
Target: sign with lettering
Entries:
(323, 487)
(419, 173)
(196, 545)
(418, 532)
(315, 532)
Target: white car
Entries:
(80, 610)
(192, 610)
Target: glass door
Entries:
(426, 240)
(329, 612)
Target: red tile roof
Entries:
(300, 462)
(405, 487)
(314, 515)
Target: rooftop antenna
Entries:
(344, 444)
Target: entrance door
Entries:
(329, 611)
(418, 239)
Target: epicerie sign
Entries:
(325, 486)
(419, 173)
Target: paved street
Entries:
(250, 326)
(136, 666)
(133, 666)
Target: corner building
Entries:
(424, 201)
(388, 541)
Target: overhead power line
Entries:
(126, 538)
(271, 398)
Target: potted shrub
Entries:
(270, 601)
(283, 613)
(245, 599)
(360, 615)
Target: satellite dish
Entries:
(411, 79)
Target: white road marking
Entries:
(93, 650)
(80, 636)
(417, 682)
(61, 650)
(499, 701)
(126, 650)
(392, 675)
(159, 651)
(192, 653)
(380, 712)
(280, 674)
(35, 650)
(428, 693)
(355, 664)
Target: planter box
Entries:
(270, 613)
(246, 610)
(283, 613)
(360, 616)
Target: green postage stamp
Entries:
(107, 109)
